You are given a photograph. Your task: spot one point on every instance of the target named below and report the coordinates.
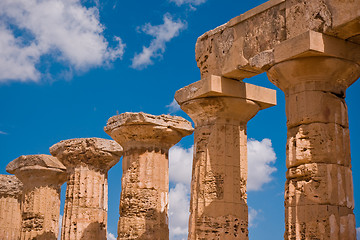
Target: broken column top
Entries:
(227, 49)
(38, 169)
(10, 185)
(142, 127)
(98, 152)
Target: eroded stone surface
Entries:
(10, 212)
(319, 190)
(88, 161)
(145, 183)
(220, 108)
(42, 176)
(227, 49)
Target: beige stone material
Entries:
(42, 176)
(146, 140)
(227, 50)
(87, 161)
(319, 190)
(10, 211)
(220, 108)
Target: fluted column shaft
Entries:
(42, 177)
(220, 108)
(144, 193)
(319, 199)
(86, 201)
(10, 207)
(146, 140)
(88, 161)
(218, 208)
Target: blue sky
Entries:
(67, 66)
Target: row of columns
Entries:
(30, 202)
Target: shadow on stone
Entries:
(96, 231)
(46, 236)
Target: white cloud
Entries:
(65, 30)
(110, 236)
(180, 164)
(162, 34)
(191, 2)
(179, 202)
(60, 225)
(358, 233)
(3, 133)
(173, 107)
(261, 156)
(253, 216)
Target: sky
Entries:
(67, 66)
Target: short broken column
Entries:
(88, 161)
(220, 108)
(10, 211)
(319, 199)
(42, 176)
(146, 140)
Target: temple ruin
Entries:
(309, 49)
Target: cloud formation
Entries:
(261, 156)
(173, 107)
(162, 34)
(191, 2)
(3, 133)
(180, 164)
(65, 31)
(110, 236)
(358, 233)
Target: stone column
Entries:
(10, 211)
(319, 199)
(220, 108)
(88, 161)
(42, 176)
(146, 140)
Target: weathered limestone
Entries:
(10, 211)
(146, 140)
(227, 50)
(88, 161)
(221, 108)
(314, 76)
(42, 176)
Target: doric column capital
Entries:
(141, 130)
(38, 170)
(215, 98)
(10, 186)
(97, 152)
(312, 61)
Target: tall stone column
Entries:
(42, 176)
(10, 211)
(220, 108)
(146, 140)
(319, 199)
(88, 161)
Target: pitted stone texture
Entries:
(319, 184)
(130, 128)
(318, 143)
(319, 199)
(10, 213)
(228, 49)
(97, 152)
(88, 161)
(319, 222)
(42, 176)
(10, 185)
(145, 182)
